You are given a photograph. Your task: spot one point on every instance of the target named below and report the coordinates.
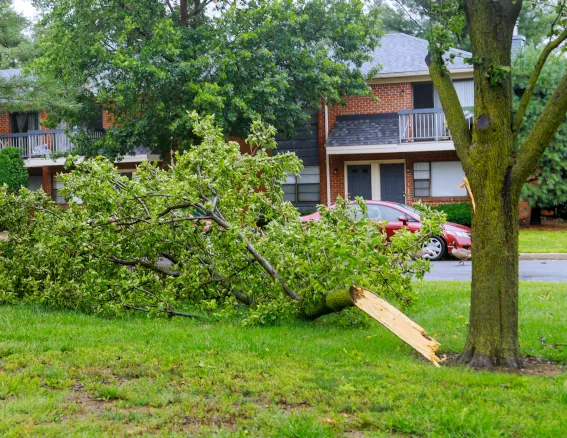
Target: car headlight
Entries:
(461, 234)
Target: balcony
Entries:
(42, 144)
(425, 125)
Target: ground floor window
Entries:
(304, 188)
(438, 179)
(35, 183)
(56, 187)
(422, 179)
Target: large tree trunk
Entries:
(496, 169)
(493, 326)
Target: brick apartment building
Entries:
(26, 131)
(395, 147)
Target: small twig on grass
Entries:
(170, 313)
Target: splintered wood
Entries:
(395, 321)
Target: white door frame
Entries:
(374, 174)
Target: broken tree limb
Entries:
(383, 312)
(333, 301)
(395, 321)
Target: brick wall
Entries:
(47, 181)
(42, 119)
(5, 123)
(107, 119)
(391, 98)
(337, 170)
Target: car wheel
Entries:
(436, 248)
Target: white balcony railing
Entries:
(39, 144)
(425, 125)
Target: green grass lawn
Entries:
(543, 241)
(70, 374)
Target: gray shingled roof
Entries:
(10, 73)
(365, 129)
(401, 53)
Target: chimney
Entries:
(518, 42)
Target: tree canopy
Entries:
(412, 17)
(24, 91)
(16, 49)
(547, 186)
(152, 61)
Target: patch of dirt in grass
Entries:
(3, 235)
(289, 406)
(88, 405)
(533, 366)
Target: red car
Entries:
(400, 215)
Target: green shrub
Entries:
(12, 170)
(458, 213)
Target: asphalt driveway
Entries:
(530, 270)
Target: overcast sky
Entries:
(25, 8)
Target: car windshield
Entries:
(410, 209)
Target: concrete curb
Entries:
(543, 256)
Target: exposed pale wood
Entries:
(466, 185)
(395, 321)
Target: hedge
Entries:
(458, 213)
(12, 169)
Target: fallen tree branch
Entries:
(257, 256)
(243, 298)
(145, 264)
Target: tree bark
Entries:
(333, 301)
(535, 216)
(183, 12)
(493, 325)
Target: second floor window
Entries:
(24, 122)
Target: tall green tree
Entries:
(24, 92)
(536, 20)
(16, 49)
(413, 17)
(152, 60)
(496, 161)
(547, 186)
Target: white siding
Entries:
(446, 177)
(465, 91)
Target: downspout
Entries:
(327, 156)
